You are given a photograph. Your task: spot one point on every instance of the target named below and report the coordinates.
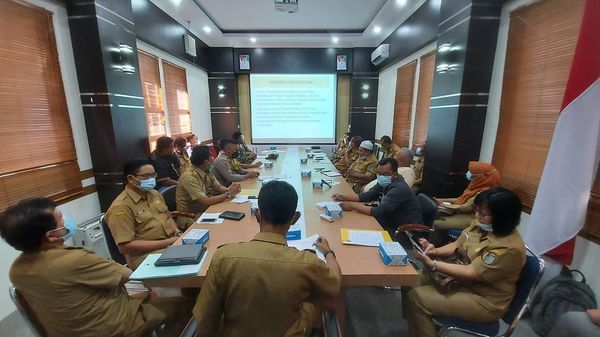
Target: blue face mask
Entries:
(69, 226)
(469, 175)
(485, 227)
(383, 181)
(147, 184)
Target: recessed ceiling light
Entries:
(377, 29)
(401, 3)
(335, 39)
(206, 29)
(252, 39)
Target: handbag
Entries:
(445, 283)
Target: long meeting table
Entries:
(360, 265)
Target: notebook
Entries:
(180, 255)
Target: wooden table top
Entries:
(361, 266)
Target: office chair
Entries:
(168, 193)
(28, 316)
(530, 275)
(113, 250)
(429, 209)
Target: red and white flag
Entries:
(560, 206)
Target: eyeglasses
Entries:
(146, 176)
(480, 211)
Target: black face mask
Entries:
(235, 154)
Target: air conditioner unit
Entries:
(190, 44)
(380, 54)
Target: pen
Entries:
(326, 183)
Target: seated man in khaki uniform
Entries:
(198, 188)
(263, 287)
(71, 290)
(180, 145)
(364, 169)
(138, 218)
(350, 155)
(341, 147)
(388, 149)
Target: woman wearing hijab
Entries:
(457, 213)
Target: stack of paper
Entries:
(307, 244)
(369, 238)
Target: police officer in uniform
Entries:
(497, 255)
(138, 218)
(364, 169)
(263, 287)
(198, 188)
(71, 290)
(350, 155)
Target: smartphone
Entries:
(208, 220)
(252, 197)
(413, 242)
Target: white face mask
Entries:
(485, 227)
(418, 151)
(415, 158)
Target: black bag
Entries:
(560, 295)
(446, 283)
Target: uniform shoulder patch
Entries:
(489, 257)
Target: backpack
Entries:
(560, 295)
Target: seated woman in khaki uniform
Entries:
(458, 212)
(71, 290)
(497, 255)
(138, 218)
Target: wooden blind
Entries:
(180, 121)
(541, 44)
(38, 154)
(424, 98)
(150, 78)
(405, 79)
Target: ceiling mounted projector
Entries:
(286, 6)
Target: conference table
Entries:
(360, 265)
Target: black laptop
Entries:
(180, 255)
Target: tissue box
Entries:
(392, 254)
(195, 237)
(308, 149)
(305, 173)
(333, 210)
(303, 160)
(253, 206)
(268, 164)
(318, 184)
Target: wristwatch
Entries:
(228, 194)
(329, 252)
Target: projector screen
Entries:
(292, 108)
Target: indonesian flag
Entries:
(561, 203)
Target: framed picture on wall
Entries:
(244, 61)
(342, 62)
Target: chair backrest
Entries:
(168, 193)
(25, 310)
(428, 207)
(113, 250)
(377, 151)
(530, 276)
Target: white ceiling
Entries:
(233, 22)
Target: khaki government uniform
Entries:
(497, 260)
(418, 167)
(364, 165)
(184, 163)
(135, 217)
(74, 292)
(193, 185)
(463, 216)
(391, 151)
(263, 288)
(343, 164)
(339, 152)
(407, 173)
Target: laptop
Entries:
(181, 255)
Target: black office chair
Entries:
(169, 194)
(28, 315)
(113, 250)
(429, 210)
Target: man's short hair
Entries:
(386, 140)
(199, 155)
(190, 137)
(163, 143)
(224, 142)
(24, 225)
(277, 202)
(180, 142)
(236, 136)
(356, 140)
(132, 167)
(390, 161)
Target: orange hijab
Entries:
(484, 176)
